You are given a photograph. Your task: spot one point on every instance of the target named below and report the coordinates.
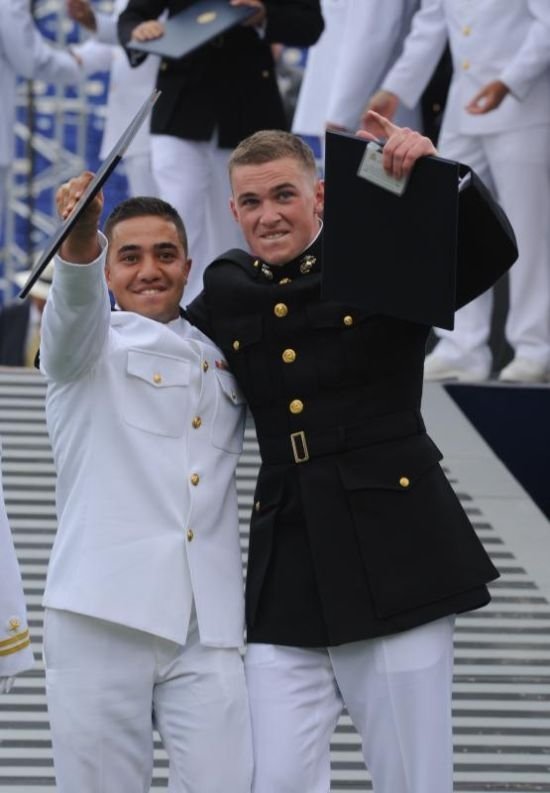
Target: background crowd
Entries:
(399, 57)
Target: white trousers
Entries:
(397, 691)
(192, 176)
(516, 165)
(108, 685)
(139, 173)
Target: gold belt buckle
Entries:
(299, 447)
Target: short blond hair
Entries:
(272, 144)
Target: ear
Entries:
(233, 208)
(108, 274)
(319, 197)
(187, 267)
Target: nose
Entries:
(148, 270)
(270, 214)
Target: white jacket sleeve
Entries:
(76, 319)
(373, 35)
(52, 64)
(533, 57)
(421, 53)
(95, 56)
(15, 650)
(106, 31)
(17, 32)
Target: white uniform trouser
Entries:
(192, 176)
(397, 691)
(516, 165)
(139, 173)
(107, 685)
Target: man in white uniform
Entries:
(497, 120)
(128, 89)
(15, 650)
(361, 41)
(144, 596)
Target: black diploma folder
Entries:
(193, 27)
(106, 169)
(385, 253)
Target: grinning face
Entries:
(278, 205)
(147, 267)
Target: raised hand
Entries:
(403, 146)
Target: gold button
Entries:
(466, 65)
(265, 74)
(436, 107)
(284, 281)
(280, 310)
(348, 320)
(257, 506)
(404, 481)
(296, 406)
(466, 30)
(197, 421)
(190, 534)
(289, 356)
(163, 66)
(157, 378)
(195, 479)
(256, 263)
(205, 366)
(236, 345)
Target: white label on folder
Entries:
(372, 170)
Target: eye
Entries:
(285, 195)
(249, 202)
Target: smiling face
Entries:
(147, 267)
(278, 205)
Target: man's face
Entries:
(277, 205)
(147, 267)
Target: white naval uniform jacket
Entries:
(506, 40)
(15, 650)
(146, 425)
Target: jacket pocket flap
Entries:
(396, 465)
(230, 387)
(158, 370)
(238, 332)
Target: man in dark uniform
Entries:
(210, 100)
(360, 553)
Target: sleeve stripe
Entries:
(16, 649)
(14, 639)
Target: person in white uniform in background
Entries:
(128, 90)
(144, 594)
(15, 644)
(497, 120)
(24, 53)
(361, 41)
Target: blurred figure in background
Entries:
(497, 120)
(15, 650)
(128, 89)
(20, 322)
(210, 100)
(24, 53)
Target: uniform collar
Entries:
(308, 262)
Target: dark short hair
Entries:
(272, 144)
(141, 206)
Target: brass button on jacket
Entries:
(197, 422)
(348, 320)
(157, 378)
(236, 345)
(280, 310)
(296, 406)
(195, 479)
(190, 534)
(289, 356)
(205, 366)
(257, 506)
(404, 481)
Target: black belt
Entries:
(303, 445)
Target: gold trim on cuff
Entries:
(15, 639)
(12, 650)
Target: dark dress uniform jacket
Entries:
(229, 83)
(366, 537)
(14, 326)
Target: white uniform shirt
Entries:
(146, 425)
(506, 40)
(15, 651)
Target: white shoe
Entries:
(524, 370)
(436, 367)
